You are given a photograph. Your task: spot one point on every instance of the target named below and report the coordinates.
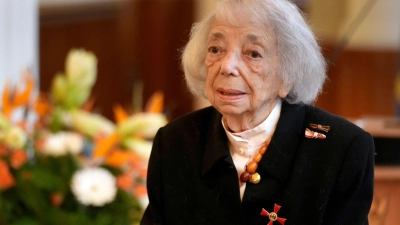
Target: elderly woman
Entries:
(261, 154)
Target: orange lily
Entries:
(119, 113)
(118, 158)
(42, 105)
(15, 98)
(155, 103)
(103, 145)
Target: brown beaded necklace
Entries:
(250, 173)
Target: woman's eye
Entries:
(254, 54)
(214, 50)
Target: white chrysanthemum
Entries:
(94, 186)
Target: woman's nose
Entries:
(230, 64)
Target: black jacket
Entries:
(192, 178)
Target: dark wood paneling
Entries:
(133, 40)
(96, 32)
(153, 46)
(361, 82)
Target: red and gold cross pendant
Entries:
(273, 216)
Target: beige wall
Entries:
(326, 17)
(331, 20)
(204, 6)
(379, 29)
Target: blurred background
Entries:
(139, 41)
(138, 44)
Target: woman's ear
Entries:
(284, 89)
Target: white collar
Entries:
(258, 135)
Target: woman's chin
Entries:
(230, 110)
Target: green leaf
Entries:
(26, 221)
(59, 88)
(46, 180)
(56, 123)
(33, 200)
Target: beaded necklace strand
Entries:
(250, 174)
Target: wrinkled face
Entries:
(242, 64)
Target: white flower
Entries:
(15, 137)
(73, 142)
(94, 186)
(62, 143)
(141, 147)
(144, 124)
(81, 68)
(90, 124)
(54, 145)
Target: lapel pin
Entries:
(313, 134)
(320, 127)
(273, 216)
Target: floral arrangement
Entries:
(72, 165)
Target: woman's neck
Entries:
(246, 121)
(236, 124)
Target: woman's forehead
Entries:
(250, 31)
(239, 20)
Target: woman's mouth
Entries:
(229, 93)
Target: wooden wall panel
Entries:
(153, 46)
(133, 40)
(384, 210)
(361, 83)
(96, 32)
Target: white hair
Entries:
(301, 62)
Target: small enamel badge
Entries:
(273, 216)
(313, 134)
(320, 127)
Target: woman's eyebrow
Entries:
(253, 37)
(216, 36)
(265, 41)
(257, 38)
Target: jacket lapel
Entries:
(289, 132)
(220, 196)
(216, 147)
